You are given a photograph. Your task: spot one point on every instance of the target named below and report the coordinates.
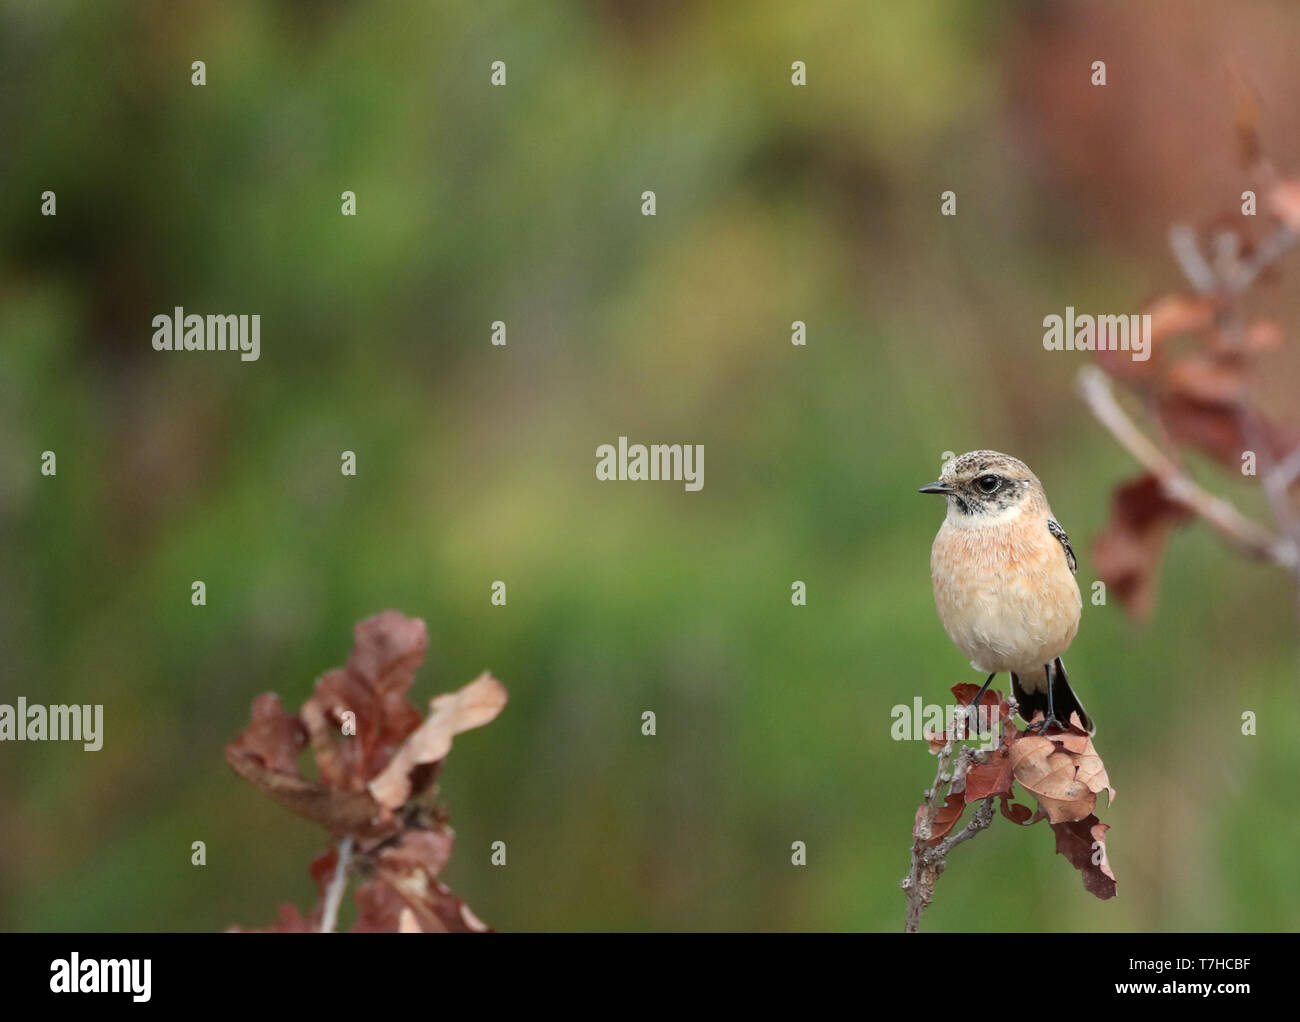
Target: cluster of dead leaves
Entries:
(376, 763)
(1197, 381)
(1061, 770)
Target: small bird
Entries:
(1003, 573)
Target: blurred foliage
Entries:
(477, 463)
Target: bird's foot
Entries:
(1040, 727)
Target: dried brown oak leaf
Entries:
(473, 706)
(959, 727)
(1213, 379)
(1062, 771)
(405, 894)
(273, 737)
(965, 692)
(945, 818)
(1171, 315)
(409, 869)
(1083, 843)
(381, 909)
(1202, 404)
(1128, 551)
(992, 777)
(1262, 335)
(372, 755)
(1176, 314)
(1017, 813)
(372, 688)
(266, 756)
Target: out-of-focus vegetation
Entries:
(476, 463)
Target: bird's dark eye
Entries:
(988, 484)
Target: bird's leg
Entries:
(1050, 719)
(972, 711)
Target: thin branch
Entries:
(982, 818)
(1264, 255)
(1285, 472)
(1230, 274)
(1244, 533)
(1199, 273)
(334, 894)
(1276, 477)
(928, 863)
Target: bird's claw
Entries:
(1040, 727)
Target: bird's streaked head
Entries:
(984, 486)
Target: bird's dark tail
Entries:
(1064, 701)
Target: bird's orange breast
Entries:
(1005, 593)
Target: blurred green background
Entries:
(476, 463)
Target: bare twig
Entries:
(334, 894)
(1265, 254)
(1277, 477)
(1244, 533)
(928, 863)
(1284, 473)
(1182, 239)
(1230, 274)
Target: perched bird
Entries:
(1003, 574)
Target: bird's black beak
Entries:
(937, 488)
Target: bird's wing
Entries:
(1054, 527)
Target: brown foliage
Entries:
(1060, 769)
(1128, 551)
(375, 761)
(1083, 842)
(1199, 390)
